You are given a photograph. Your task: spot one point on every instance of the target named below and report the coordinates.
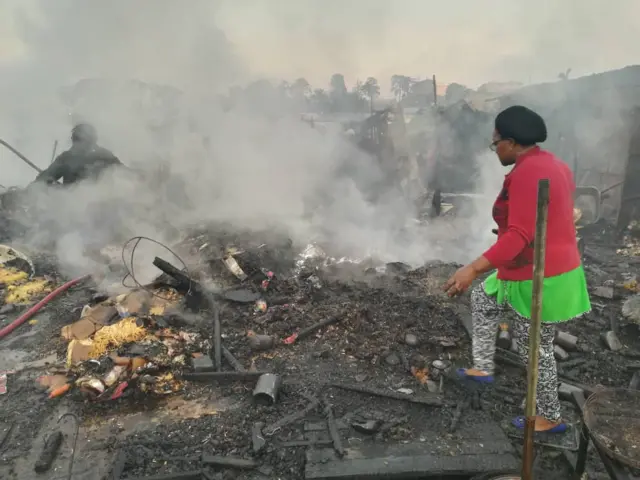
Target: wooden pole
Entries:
(534, 330)
(21, 156)
(435, 91)
(55, 150)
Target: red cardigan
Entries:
(515, 213)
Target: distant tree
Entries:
(371, 90)
(301, 88)
(337, 85)
(300, 93)
(357, 102)
(319, 100)
(284, 86)
(284, 93)
(455, 92)
(401, 86)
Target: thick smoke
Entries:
(161, 65)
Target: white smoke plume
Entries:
(238, 166)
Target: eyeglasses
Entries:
(494, 145)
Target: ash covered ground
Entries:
(388, 325)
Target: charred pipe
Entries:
(306, 332)
(215, 377)
(233, 361)
(267, 388)
(228, 462)
(184, 281)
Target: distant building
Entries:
(422, 93)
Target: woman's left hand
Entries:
(460, 281)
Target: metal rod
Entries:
(217, 337)
(55, 150)
(534, 330)
(233, 361)
(21, 156)
(75, 440)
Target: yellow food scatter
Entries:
(113, 336)
(11, 276)
(421, 374)
(23, 293)
(157, 310)
(167, 384)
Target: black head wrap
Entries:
(522, 125)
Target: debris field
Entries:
(269, 360)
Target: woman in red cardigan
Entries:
(508, 290)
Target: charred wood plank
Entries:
(423, 466)
(214, 377)
(191, 475)
(228, 462)
(292, 418)
(49, 452)
(432, 401)
(333, 429)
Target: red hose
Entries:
(38, 306)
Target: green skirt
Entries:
(564, 296)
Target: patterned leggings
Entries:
(487, 315)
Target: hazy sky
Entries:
(183, 42)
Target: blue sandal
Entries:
(520, 422)
(462, 372)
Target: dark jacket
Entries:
(80, 162)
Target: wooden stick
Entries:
(534, 329)
(435, 91)
(55, 150)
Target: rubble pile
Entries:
(126, 342)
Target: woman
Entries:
(507, 291)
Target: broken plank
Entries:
(411, 467)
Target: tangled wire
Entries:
(131, 269)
